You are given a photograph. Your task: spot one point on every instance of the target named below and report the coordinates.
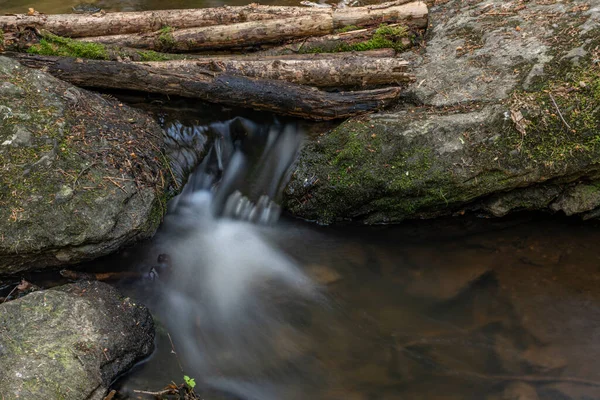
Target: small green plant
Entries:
(191, 382)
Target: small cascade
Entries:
(231, 300)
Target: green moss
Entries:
(347, 29)
(149, 55)
(165, 38)
(562, 118)
(384, 37)
(52, 45)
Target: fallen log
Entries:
(351, 70)
(360, 40)
(377, 53)
(222, 36)
(232, 36)
(255, 33)
(217, 87)
(100, 24)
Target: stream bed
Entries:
(256, 307)
(456, 308)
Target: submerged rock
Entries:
(70, 342)
(516, 391)
(504, 116)
(80, 173)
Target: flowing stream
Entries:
(258, 308)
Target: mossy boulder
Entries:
(80, 174)
(70, 342)
(504, 115)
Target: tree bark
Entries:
(99, 24)
(218, 87)
(255, 33)
(325, 44)
(220, 37)
(351, 70)
(378, 53)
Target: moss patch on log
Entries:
(165, 39)
(53, 45)
(384, 37)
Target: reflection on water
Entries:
(452, 309)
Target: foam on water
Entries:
(229, 294)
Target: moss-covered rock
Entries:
(71, 342)
(80, 174)
(504, 115)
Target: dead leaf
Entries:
(519, 121)
(24, 285)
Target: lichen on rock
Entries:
(70, 342)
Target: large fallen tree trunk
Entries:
(218, 87)
(100, 24)
(352, 70)
(223, 36)
(264, 32)
(355, 40)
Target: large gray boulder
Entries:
(504, 115)
(79, 173)
(71, 342)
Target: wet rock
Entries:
(322, 274)
(482, 123)
(545, 359)
(527, 199)
(444, 283)
(70, 147)
(70, 342)
(569, 391)
(508, 354)
(516, 391)
(578, 199)
(540, 359)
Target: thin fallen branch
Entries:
(159, 393)
(559, 113)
